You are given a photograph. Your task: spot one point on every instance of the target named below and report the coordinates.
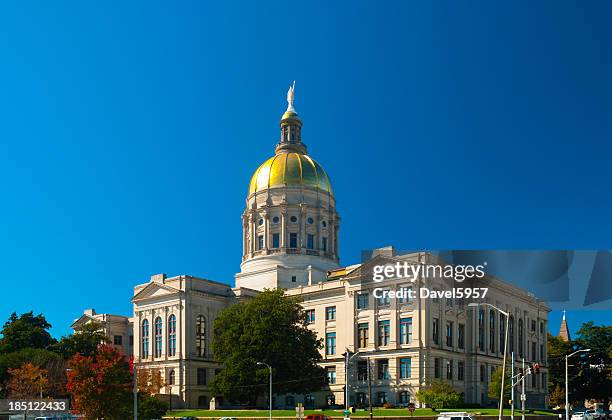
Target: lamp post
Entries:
(270, 368)
(567, 381)
(347, 359)
(507, 315)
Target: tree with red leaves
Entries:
(101, 385)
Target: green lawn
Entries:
(392, 412)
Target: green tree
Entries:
(25, 331)
(495, 385)
(439, 395)
(590, 369)
(84, 341)
(556, 351)
(150, 407)
(557, 396)
(51, 362)
(269, 328)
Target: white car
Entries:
(454, 415)
(578, 415)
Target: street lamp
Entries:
(567, 382)
(270, 368)
(507, 315)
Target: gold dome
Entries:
(290, 169)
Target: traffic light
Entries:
(536, 368)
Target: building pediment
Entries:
(82, 320)
(155, 290)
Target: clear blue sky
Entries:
(129, 132)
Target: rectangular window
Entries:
(384, 333)
(541, 353)
(449, 370)
(533, 328)
(437, 368)
(276, 240)
(362, 334)
(544, 381)
(201, 372)
(330, 343)
(324, 244)
(131, 340)
(481, 333)
(310, 241)
(362, 370)
(405, 330)
(533, 354)
(483, 373)
(331, 375)
(461, 371)
(436, 331)
(541, 330)
(461, 337)
(404, 397)
(406, 367)
(310, 316)
(293, 242)
(362, 300)
(449, 334)
(383, 369)
(406, 295)
(260, 244)
(330, 314)
(384, 299)
(118, 340)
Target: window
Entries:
(492, 331)
(131, 340)
(324, 244)
(362, 300)
(310, 221)
(437, 368)
(201, 372)
(436, 331)
(293, 279)
(117, 340)
(533, 381)
(449, 370)
(331, 375)
(533, 328)
(172, 335)
(404, 397)
(158, 337)
(533, 353)
(310, 241)
(324, 223)
(542, 358)
(544, 382)
(511, 333)
(310, 316)
(362, 334)
(171, 377)
(541, 329)
(200, 336)
(331, 400)
(520, 338)
(405, 330)
(275, 220)
(384, 332)
(461, 337)
(483, 374)
(362, 370)
(384, 299)
(381, 397)
(405, 367)
(330, 343)
(330, 314)
(406, 295)
(261, 222)
(449, 334)
(449, 302)
(309, 401)
(502, 332)
(293, 219)
(145, 338)
(481, 338)
(461, 371)
(293, 243)
(276, 240)
(260, 242)
(383, 369)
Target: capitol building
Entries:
(290, 240)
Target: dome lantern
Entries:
(291, 128)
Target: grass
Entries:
(378, 412)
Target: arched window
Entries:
(172, 335)
(492, 331)
(201, 336)
(145, 338)
(158, 337)
(520, 338)
(172, 377)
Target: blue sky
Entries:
(129, 132)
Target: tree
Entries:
(270, 328)
(591, 369)
(51, 362)
(25, 331)
(557, 396)
(84, 341)
(150, 407)
(439, 395)
(27, 381)
(101, 385)
(150, 381)
(495, 384)
(556, 351)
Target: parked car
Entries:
(317, 417)
(195, 418)
(454, 415)
(227, 418)
(577, 415)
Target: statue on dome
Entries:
(291, 98)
